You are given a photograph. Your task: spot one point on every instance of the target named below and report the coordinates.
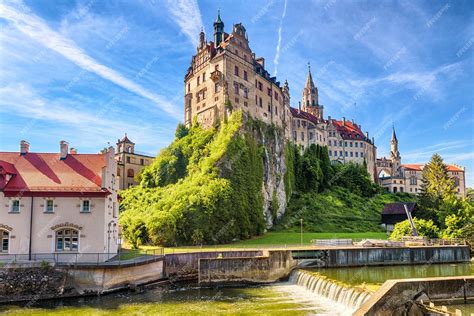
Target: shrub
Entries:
(423, 227)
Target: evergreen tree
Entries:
(436, 182)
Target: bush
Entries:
(423, 227)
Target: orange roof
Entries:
(46, 172)
(419, 167)
(303, 115)
(348, 130)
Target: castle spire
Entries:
(309, 80)
(218, 29)
(394, 135)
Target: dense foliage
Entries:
(439, 202)
(203, 188)
(424, 228)
(337, 210)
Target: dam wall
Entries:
(378, 256)
(400, 297)
(270, 267)
(186, 265)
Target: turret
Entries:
(218, 30)
(202, 39)
(310, 97)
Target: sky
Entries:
(89, 71)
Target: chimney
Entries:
(63, 146)
(299, 106)
(73, 151)
(373, 140)
(24, 147)
(344, 121)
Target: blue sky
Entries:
(89, 71)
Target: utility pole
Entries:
(301, 231)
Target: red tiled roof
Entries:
(348, 130)
(303, 115)
(419, 167)
(46, 172)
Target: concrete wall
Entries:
(397, 296)
(392, 256)
(103, 279)
(270, 267)
(185, 265)
(355, 257)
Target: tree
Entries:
(311, 172)
(181, 131)
(436, 183)
(423, 227)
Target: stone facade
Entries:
(398, 177)
(129, 162)
(225, 75)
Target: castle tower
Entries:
(395, 154)
(125, 145)
(218, 29)
(310, 97)
(202, 39)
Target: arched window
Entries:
(456, 181)
(130, 173)
(67, 240)
(5, 239)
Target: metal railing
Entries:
(86, 258)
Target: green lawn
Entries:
(271, 239)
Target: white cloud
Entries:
(277, 54)
(38, 30)
(187, 15)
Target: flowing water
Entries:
(308, 292)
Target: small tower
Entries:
(310, 97)
(218, 29)
(125, 145)
(395, 154)
(202, 39)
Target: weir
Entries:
(352, 298)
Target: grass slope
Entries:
(337, 210)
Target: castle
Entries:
(398, 177)
(225, 75)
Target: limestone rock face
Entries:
(272, 141)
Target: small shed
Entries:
(395, 212)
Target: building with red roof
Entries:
(61, 202)
(398, 177)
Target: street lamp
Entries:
(301, 231)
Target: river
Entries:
(295, 297)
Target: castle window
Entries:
(245, 75)
(276, 111)
(260, 102)
(236, 100)
(236, 88)
(357, 154)
(330, 153)
(246, 93)
(217, 87)
(335, 153)
(269, 92)
(189, 87)
(236, 71)
(128, 159)
(456, 181)
(350, 144)
(245, 57)
(142, 162)
(310, 135)
(362, 154)
(260, 86)
(295, 136)
(203, 76)
(299, 124)
(237, 52)
(67, 240)
(130, 173)
(198, 80)
(276, 95)
(345, 144)
(245, 103)
(413, 181)
(269, 107)
(86, 206)
(328, 142)
(340, 143)
(352, 154)
(356, 144)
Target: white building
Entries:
(61, 203)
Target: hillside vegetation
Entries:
(184, 198)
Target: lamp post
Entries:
(301, 231)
